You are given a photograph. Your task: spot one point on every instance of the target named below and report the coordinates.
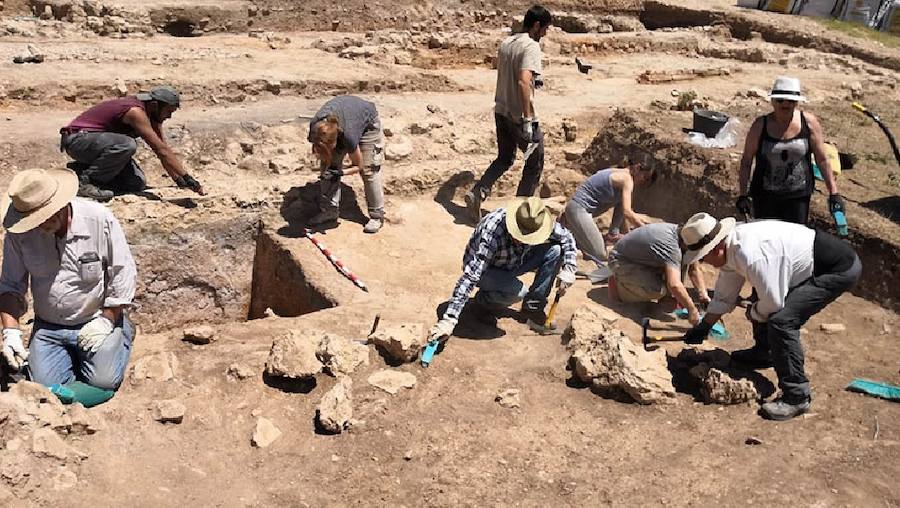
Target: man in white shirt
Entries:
(74, 256)
(796, 272)
(518, 74)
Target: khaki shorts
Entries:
(638, 283)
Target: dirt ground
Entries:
(241, 131)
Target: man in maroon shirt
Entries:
(102, 142)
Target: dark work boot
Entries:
(534, 315)
(90, 191)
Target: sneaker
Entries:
(373, 226)
(473, 200)
(781, 410)
(323, 217)
(755, 358)
(91, 191)
(600, 274)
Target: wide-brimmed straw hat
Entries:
(529, 221)
(701, 233)
(34, 196)
(787, 88)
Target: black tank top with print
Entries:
(784, 166)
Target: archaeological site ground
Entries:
(226, 415)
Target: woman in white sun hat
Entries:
(782, 143)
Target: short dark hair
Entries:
(537, 14)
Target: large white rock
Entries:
(401, 342)
(341, 355)
(265, 434)
(336, 408)
(293, 355)
(607, 359)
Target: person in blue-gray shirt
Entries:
(607, 188)
(348, 126)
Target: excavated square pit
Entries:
(229, 270)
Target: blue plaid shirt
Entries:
(492, 246)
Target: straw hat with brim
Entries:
(528, 221)
(701, 233)
(786, 88)
(35, 195)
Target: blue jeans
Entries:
(54, 356)
(499, 288)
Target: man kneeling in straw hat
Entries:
(74, 255)
(796, 271)
(508, 242)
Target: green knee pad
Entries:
(76, 391)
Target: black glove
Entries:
(698, 333)
(744, 205)
(188, 181)
(332, 174)
(835, 203)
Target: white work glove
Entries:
(13, 350)
(92, 335)
(442, 330)
(564, 280)
(527, 129)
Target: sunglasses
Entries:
(783, 100)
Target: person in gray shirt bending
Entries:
(605, 189)
(647, 265)
(74, 255)
(348, 126)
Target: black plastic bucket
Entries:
(709, 122)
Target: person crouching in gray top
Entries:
(605, 189)
(74, 255)
(348, 125)
(647, 265)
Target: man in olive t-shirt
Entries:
(518, 71)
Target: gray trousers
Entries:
(783, 327)
(587, 235)
(105, 159)
(371, 144)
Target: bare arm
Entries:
(698, 282)
(817, 137)
(622, 180)
(356, 159)
(750, 145)
(679, 292)
(525, 77)
(137, 118)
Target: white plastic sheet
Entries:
(726, 138)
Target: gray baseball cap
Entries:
(165, 94)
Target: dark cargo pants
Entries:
(508, 139)
(783, 327)
(105, 159)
